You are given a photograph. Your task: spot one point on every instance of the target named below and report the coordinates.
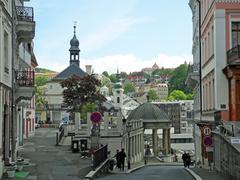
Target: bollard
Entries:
(56, 138)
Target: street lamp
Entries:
(128, 128)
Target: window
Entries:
(6, 53)
(118, 99)
(235, 34)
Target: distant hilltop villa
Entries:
(149, 70)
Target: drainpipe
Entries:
(200, 64)
(13, 143)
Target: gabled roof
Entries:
(71, 70)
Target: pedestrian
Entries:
(188, 160)
(122, 156)
(184, 158)
(117, 155)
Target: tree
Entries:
(113, 78)
(39, 99)
(105, 73)
(88, 107)
(177, 82)
(152, 95)
(177, 95)
(123, 75)
(41, 80)
(129, 87)
(80, 90)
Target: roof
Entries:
(71, 70)
(149, 113)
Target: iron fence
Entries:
(25, 78)
(25, 13)
(100, 156)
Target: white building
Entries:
(53, 95)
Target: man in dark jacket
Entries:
(122, 156)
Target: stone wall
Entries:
(226, 156)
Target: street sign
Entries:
(235, 140)
(206, 131)
(207, 141)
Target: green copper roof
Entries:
(148, 113)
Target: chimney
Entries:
(89, 69)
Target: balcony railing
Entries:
(25, 78)
(25, 13)
(233, 55)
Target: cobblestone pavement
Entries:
(52, 162)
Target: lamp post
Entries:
(128, 128)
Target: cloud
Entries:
(130, 63)
(111, 31)
(125, 62)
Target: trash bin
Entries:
(75, 146)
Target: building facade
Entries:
(17, 62)
(218, 24)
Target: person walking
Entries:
(118, 159)
(184, 158)
(122, 156)
(188, 160)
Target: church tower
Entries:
(74, 49)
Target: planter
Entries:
(11, 173)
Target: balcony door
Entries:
(235, 34)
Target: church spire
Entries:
(74, 49)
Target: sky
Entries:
(125, 34)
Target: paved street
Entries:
(52, 162)
(154, 172)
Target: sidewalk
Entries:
(206, 174)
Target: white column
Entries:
(155, 143)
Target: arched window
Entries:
(118, 99)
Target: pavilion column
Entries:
(166, 141)
(155, 142)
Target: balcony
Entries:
(25, 85)
(193, 75)
(25, 24)
(233, 56)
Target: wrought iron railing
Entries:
(233, 55)
(100, 156)
(25, 13)
(25, 78)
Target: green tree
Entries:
(105, 73)
(152, 95)
(81, 90)
(129, 87)
(190, 96)
(163, 71)
(177, 81)
(177, 95)
(39, 99)
(113, 78)
(41, 80)
(88, 107)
